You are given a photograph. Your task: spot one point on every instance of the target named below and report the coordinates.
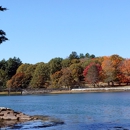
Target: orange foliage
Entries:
(124, 69)
(110, 67)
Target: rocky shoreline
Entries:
(10, 118)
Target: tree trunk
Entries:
(112, 83)
(108, 83)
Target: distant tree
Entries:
(87, 55)
(76, 72)
(92, 73)
(55, 79)
(28, 71)
(8, 69)
(86, 62)
(81, 55)
(66, 80)
(110, 68)
(3, 64)
(12, 66)
(73, 55)
(92, 56)
(41, 76)
(2, 33)
(66, 63)
(22, 68)
(55, 65)
(73, 61)
(3, 78)
(124, 71)
(18, 81)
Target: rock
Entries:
(9, 114)
(9, 118)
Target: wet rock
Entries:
(9, 114)
(10, 118)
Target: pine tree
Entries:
(2, 33)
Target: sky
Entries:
(39, 30)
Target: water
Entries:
(82, 111)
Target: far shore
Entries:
(87, 90)
(83, 90)
(77, 90)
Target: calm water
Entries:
(83, 111)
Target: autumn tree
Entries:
(66, 80)
(8, 69)
(55, 78)
(110, 68)
(92, 73)
(55, 65)
(76, 72)
(66, 63)
(18, 81)
(41, 76)
(86, 62)
(124, 69)
(22, 68)
(2, 33)
(73, 61)
(28, 71)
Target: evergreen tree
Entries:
(2, 33)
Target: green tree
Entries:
(55, 65)
(3, 64)
(81, 55)
(66, 63)
(2, 33)
(12, 66)
(41, 76)
(28, 71)
(2, 78)
(22, 68)
(87, 55)
(73, 55)
(92, 56)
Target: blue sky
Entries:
(39, 30)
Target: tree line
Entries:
(58, 73)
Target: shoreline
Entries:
(78, 90)
(84, 90)
(89, 90)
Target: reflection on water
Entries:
(84, 111)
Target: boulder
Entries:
(9, 117)
(9, 114)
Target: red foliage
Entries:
(92, 73)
